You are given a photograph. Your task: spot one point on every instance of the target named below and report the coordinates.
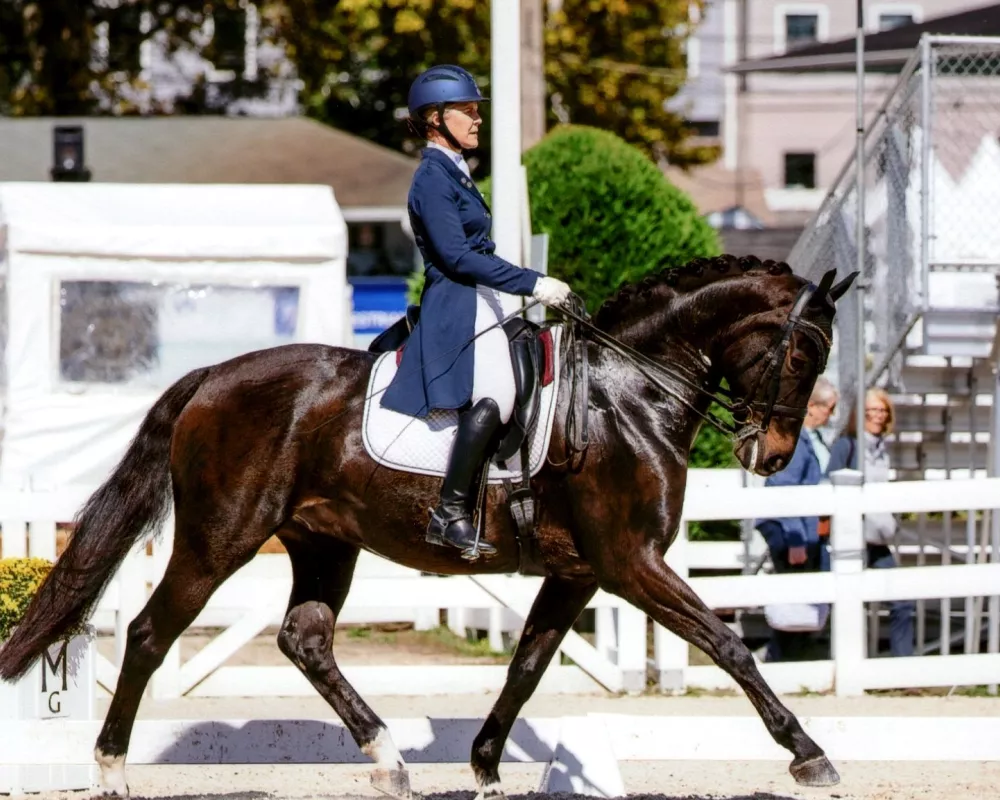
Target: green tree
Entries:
(614, 64)
(81, 57)
(611, 64)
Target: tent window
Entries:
(148, 335)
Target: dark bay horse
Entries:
(270, 444)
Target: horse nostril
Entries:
(776, 464)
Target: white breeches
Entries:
(493, 373)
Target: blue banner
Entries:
(378, 302)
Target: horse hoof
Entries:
(393, 782)
(491, 793)
(814, 772)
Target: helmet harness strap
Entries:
(442, 128)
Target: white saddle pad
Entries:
(417, 445)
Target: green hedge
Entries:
(612, 218)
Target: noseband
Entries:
(763, 399)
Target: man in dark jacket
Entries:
(794, 542)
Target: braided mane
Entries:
(686, 278)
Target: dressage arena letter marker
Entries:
(52, 704)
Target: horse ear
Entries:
(825, 283)
(838, 291)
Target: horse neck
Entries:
(687, 328)
(683, 360)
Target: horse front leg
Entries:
(648, 583)
(556, 608)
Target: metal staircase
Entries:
(930, 184)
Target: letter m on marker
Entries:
(54, 664)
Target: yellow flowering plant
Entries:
(19, 580)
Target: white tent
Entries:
(111, 292)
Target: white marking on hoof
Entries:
(489, 790)
(112, 774)
(382, 750)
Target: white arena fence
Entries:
(255, 599)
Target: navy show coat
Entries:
(451, 224)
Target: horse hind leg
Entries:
(187, 584)
(321, 574)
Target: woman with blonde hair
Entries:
(879, 527)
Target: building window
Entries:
(707, 128)
(800, 170)
(889, 21)
(801, 30)
(228, 49)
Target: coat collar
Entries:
(457, 175)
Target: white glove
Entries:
(551, 291)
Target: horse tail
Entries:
(130, 503)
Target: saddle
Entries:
(530, 355)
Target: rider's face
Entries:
(463, 121)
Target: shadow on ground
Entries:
(467, 795)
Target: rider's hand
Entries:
(796, 556)
(551, 291)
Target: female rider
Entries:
(445, 365)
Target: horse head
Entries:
(746, 334)
(771, 363)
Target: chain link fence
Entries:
(931, 247)
(939, 128)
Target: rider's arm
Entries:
(435, 202)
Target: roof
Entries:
(712, 187)
(885, 51)
(176, 222)
(292, 150)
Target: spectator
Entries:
(879, 528)
(794, 542)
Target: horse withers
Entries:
(269, 444)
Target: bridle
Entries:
(764, 395)
(762, 399)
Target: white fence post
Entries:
(605, 632)
(670, 651)
(632, 647)
(15, 538)
(42, 539)
(847, 537)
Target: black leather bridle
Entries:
(764, 396)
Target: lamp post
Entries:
(68, 154)
(505, 123)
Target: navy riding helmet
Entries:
(440, 85)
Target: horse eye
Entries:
(797, 361)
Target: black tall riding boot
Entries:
(451, 521)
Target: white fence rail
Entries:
(255, 598)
